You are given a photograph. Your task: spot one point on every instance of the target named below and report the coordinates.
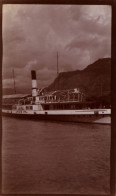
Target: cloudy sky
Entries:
(32, 35)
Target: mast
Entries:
(57, 70)
(57, 65)
(14, 81)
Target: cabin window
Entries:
(55, 107)
(30, 107)
(72, 106)
(34, 99)
(46, 107)
(51, 107)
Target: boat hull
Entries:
(98, 119)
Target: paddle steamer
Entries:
(61, 105)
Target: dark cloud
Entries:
(32, 35)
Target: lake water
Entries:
(40, 157)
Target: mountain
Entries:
(94, 80)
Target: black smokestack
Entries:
(34, 83)
(33, 75)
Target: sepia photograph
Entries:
(56, 99)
